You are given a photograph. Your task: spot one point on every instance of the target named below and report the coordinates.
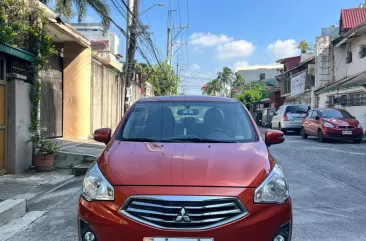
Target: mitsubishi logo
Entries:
(183, 217)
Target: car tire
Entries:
(357, 141)
(303, 133)
(321, 136)
(283, 130)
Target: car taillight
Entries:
(285, 117)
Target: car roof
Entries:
(326, 108)
(295, 105)
(188, 98)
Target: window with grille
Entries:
(362, 53)
(357, 99)
(331, 101)
(349, 57)
(350, 99)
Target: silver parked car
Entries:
(289, 117)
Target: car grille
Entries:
(183, 212)
(330, 134)
(346, 127)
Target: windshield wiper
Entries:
(140, 139)
(200, 140)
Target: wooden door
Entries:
(2, 116)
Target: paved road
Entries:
(328, 188)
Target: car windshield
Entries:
(297, 109)
(185, 121)
(336, 114)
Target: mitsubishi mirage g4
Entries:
(186, 169)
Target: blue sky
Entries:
(234, 32)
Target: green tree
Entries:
(239, 81)
(162, 77)
(65, 7)
(214, 86)
(226, 76)
(256, 92)
(303, 46)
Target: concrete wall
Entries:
(107, 93)
(358, 65)
(77, 86)
(357, 111)
(19, 151)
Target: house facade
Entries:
(346, 88)
(297, 80)
(260, 72)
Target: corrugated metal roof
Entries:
(353, 17)
(351, 81)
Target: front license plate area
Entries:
(183, 239)
(346, 132)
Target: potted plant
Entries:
(45, 153)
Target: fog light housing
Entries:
(279, 237)
(85, 232)
(89, 236)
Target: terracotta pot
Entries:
(44, 162)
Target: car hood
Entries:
(186, 164)
(342, 122)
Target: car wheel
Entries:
(283, 130)
(357, 141)
(321, 136)
(303, 133)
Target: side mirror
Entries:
(317, 118)
(274, 114)
(103, 135)
(273, 137)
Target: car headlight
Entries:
(96, 187)
(274, 189)
(359, 125)
(327, 124)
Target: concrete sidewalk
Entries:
(17, 191)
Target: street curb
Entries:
(17, 207)
(11, 209)
(42, 189)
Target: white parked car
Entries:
(289, 117)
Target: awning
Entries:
(348, 82)
(20, 53)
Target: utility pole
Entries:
(170, 44)
(132, 20)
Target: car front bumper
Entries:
(336, 134)
(263, 222)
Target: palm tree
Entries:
(225, 78)
(65, 7)
(238, 81)
(213, 87)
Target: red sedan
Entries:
(186, 169)
(331, 124)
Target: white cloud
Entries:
(196, 66)
(208, 39)
(240, 64)
(235, 49)
(283, 49)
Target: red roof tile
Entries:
(353, 17)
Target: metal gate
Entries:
(2, 115)
(52, 98)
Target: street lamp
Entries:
(157, 4)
